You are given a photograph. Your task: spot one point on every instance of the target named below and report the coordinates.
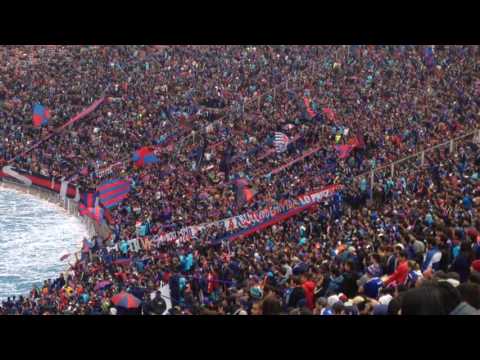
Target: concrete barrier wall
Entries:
(69, 205)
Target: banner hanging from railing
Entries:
(28, 180)
(247, 220)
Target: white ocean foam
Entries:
(33, 236)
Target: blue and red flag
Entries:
(112, 192)
(88, 200)
(90, 207)
(40, 115)
(144, 156)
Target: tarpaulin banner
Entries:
(38, 180)
(252, 218)
(267, 223)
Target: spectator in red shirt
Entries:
(309, 287)
(401, 272)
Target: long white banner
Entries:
(245, 220)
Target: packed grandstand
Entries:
(252, 180)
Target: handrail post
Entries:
(422, 158)
(452, 146)
(392, 170)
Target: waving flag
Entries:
(357, 142)
(329, 113)
(90, 207)
(40, 115)
(88, 200)
(310, 111)
(281, 142)
(244, 193)
(112, 192)
(343, 151)
(144, 156)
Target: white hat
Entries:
(452, 282)
(385, 299)
(113, 311)
(332, 300)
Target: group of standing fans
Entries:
(408, 244)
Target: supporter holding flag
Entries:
(281, 142)
(144, 156)
(112, 192)
(40, 115)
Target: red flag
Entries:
(329, 113)
(343, 151)
(310, 111)
(357, 142)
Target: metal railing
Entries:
(415, 160)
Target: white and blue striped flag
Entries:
(281, 142)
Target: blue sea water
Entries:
(34, 234)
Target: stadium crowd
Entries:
(410, 245)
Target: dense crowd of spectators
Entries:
(410, 245)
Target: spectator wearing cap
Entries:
(475, 267)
